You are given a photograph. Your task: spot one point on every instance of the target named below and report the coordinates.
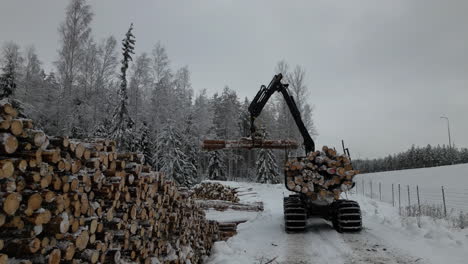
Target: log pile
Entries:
(322, 175)
(72, 201)
(229, 229)
(214, 191)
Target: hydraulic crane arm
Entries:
(262, 97)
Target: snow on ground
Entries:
(449, 176)
(454, 178)
(386, 238)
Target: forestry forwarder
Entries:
(344, 214)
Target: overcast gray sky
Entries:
(381, 73)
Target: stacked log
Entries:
(229, 229)
(81, 201)
(322, 175)
(214, 191)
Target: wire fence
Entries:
(415, 200)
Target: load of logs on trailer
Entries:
(214, 191)
(72, 201)
(322, 175)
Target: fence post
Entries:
(443, 199)
(409, 201)
(380, 191)
(393, 197)
(419, 207)
(419, 204)
(399, 199)
(371, 189)
(363, 193)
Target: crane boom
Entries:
(262, 97)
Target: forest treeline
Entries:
(415, 157)
(100, 88)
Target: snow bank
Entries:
(434, 240)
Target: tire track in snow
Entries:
(263, 238)
(368, 248)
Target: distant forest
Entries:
(415, 157)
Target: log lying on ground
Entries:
(322, 175)
(248, 143)
(80, 201)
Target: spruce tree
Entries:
(8, 76)
(170, 157)
(145, 144)
(102, 129)
(191, 149)
(267, 170)
(122, 124)
(216, 168)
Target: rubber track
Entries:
(295, 215)
(348, 216)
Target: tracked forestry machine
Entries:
(317, 179)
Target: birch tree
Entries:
(74, 33)
(140, 83)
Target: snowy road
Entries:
(385, 239)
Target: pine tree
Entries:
(170, 157)
(267, 170)
(122, 124)
(216, 168)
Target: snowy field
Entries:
(429, 180)
(386, 238)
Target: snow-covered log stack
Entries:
(322, 175)
(214, 191)
(71, 201)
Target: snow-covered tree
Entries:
(267, 169)
(11, 59)
(163, 103)
(140, 83)
(31, 88)
(216, 168)
(48, 108)
(286, 126)
(102, 93)
(145, 144)
(192, 145)
(122, 124)
(102, 129)
(183, 93)
(74, 33)
(170, 157)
